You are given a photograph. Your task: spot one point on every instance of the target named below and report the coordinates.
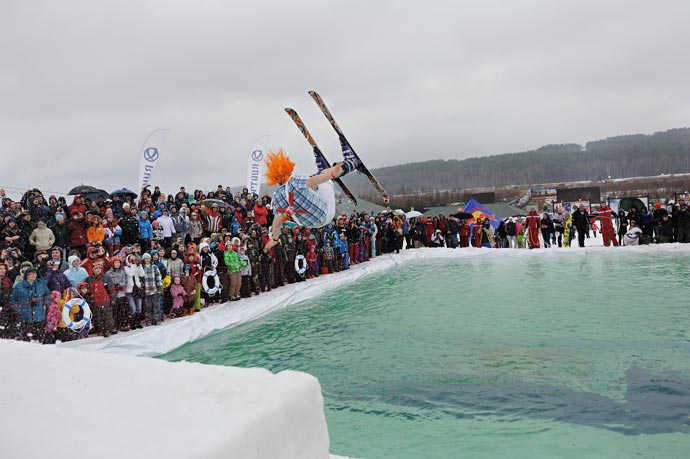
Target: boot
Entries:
(350, 164)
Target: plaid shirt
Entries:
(152, 279)
(310, 207)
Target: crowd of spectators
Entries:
(139, 261)
(561, 228)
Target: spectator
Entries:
(632, 236)
(30, 299)
(75, 274)
(116, 280)
(59, 229)
(134, 289)
(145, 231)
(511, 233)
(55, 279)
(581, 222)
(152, 288)
(95, 234)
(129, 225)
(167, 225)
(77, 232)
(100, 305)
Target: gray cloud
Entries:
(83, 83)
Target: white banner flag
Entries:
(255, 166)
(150, 154)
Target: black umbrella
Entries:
(124, 192)
(463, 215)
(94, 195)
(83, 189)
(210, 202)
(627, 203)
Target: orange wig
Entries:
(278, 168)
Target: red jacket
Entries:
(75, 207)
(77, 233)
(98, 290)
(429, 230)
(260, 215)
(604, 215)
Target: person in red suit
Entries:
(607, 231)
(533, 225)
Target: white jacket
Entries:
(134, 274)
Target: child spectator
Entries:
(178, 295)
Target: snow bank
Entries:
(157, 340)
(61, 403)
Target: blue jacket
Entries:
(342, 245)
(159, 210)
(145, 229)
(235, 228)
(30, 301)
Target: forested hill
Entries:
(625, 156)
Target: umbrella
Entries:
(93, 195)
(124, 192)
(399, 212)
(83, 189)
(627, 203)
(463, 215)
(414, 214)
(210, 202)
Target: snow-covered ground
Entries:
(59, 402)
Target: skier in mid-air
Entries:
(308, 201)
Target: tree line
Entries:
(638, 155)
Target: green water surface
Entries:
(497, 356)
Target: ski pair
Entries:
(348, 151)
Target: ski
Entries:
(318, 154)
(346, 145)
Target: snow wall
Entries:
(61, 403)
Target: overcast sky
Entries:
(82, 83)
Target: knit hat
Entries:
(146, 256)
(187, 267)
(143, 214)
(202, 245)
(26, 264)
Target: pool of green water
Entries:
(513, 355)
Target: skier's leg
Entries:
(349, 158)
(320, 163)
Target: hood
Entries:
(72, 259)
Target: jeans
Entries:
(134, 304)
